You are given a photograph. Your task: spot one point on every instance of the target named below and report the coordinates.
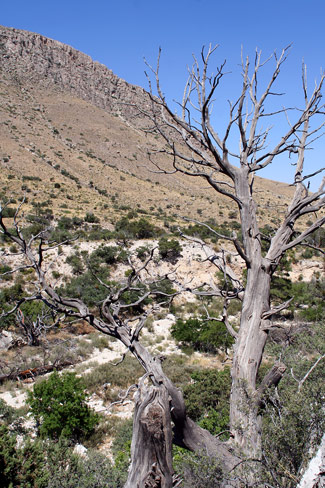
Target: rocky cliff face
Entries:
(31, 58)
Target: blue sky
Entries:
(120, 34)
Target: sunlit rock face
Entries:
(32, 58)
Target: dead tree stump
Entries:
(151, 460)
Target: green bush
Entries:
(121, 447)
(177, 369)
(142, 253)
(75, 261)
(87, 288)
(91, 218)
(7, 413)
(9, 467)
(21, 467)
(207, 399)
(169, 249)
(67, 470)
(198, 470)
(202, 335)
(59, 406)
(308, 297)
(107, 255)
(293, 423)
(4, 268)
(48, 464)
(8, 212)
(139, 229)
(161, 290)
(204, 232)
(65, 229)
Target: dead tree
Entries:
(196, 149)
(34, 328)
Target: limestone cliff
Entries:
(30, 58)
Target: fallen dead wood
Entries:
(33, 372)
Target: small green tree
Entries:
(202, 335)
(169, 249)
(59, 406)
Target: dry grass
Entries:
(103, 152)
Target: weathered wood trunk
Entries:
(245, 423)
(151, 458)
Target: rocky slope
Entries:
(67, 120)
(30, 59)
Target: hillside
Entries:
(71, 137)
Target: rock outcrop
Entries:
(30, 58)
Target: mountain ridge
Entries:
(70, 121)
(34, 57)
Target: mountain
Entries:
(71, 138)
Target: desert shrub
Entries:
(21, 466)
(11, 294)
(169, 249)
(122, 375)
(99, 340)
(207, 399)
(75, 261)
(308, 297)
(162, 290)
(312, 295)
(67, 470)
(66, 228)
(177, 369)
(106, 255)
(7, 413)
(9, 467)
(139, 229)
(60, 235)
(97, 233)
(131, 296)
(34, 229)
(202, 335)
(308, 253)
(293, 424)
(142, 252)
(4, 268)
(68, 223)
(204, 232)
(121, 447)
(317, 239)
(59, 406)
(32, 466)
(87, 288)
(48, 464)
(8, 212)
(198, 470)
(293, 417)
(91, 218)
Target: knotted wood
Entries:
(151, 460)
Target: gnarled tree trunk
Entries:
(151, 448)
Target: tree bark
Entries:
(245, 422)
(151, 458)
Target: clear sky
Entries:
(121, 33)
